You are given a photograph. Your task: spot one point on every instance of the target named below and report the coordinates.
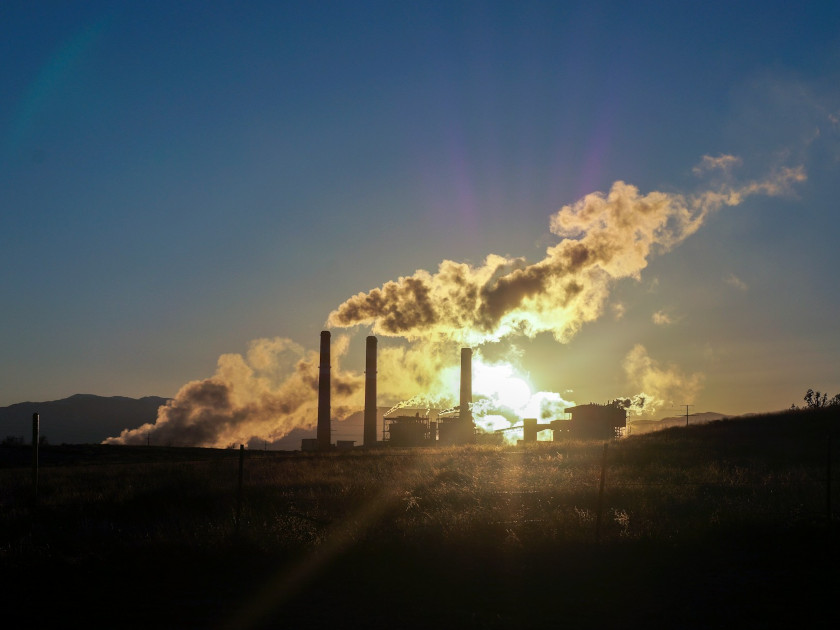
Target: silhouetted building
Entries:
(595, 421)
(408, 431)
(529, 430)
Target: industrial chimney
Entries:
(370, 393)
(466, 428)
(324, 394)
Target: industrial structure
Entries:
(370, 392)
(460, 429)
(410, 431)
(590, 421)
(593, 421)
(587, 422)
(324, 425)
(448, 429)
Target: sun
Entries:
(500, 383)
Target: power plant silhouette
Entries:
(590, 421)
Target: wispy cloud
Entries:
(734, 281)
(722, 162)
(661, 318)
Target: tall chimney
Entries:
(465, 416)
(324, 394)
(370, 392)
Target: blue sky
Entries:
(178, 179)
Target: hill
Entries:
(79, 419)
(726, 524)
(637, 427)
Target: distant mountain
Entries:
(79, 419)
(637, 427)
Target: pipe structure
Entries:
(529, 430)
(467, 427)
(324, 394)
(370, 392)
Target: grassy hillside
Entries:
(719, 525)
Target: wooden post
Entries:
(828, 485)
(35, 440)
(601, 495)
(239, 487)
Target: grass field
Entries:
(724, 525)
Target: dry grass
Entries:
(503, 510)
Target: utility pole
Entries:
(36, 423)
(686, 413)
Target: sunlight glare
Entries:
(500, 383)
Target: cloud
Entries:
(603, 238)
(661, 318)
(661, 386)
(734, 281)
(723, 163)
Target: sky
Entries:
(606, 199)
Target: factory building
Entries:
(400, 430)
(586, 422)
(459, 429)
(409, 431)
(597, 422)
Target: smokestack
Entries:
(465, 415)
(370, 393)
(324, 394)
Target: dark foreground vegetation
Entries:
(725, 525)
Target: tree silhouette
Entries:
(818, 400)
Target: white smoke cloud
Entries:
(264, 394)
(602, 238)
(661, 386)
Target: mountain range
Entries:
(79, 419)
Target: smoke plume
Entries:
(660, 386)
(264, 394)
(602, 238)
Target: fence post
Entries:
(828, 484)
(239, 488)
(601, 495)
(35, 440)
